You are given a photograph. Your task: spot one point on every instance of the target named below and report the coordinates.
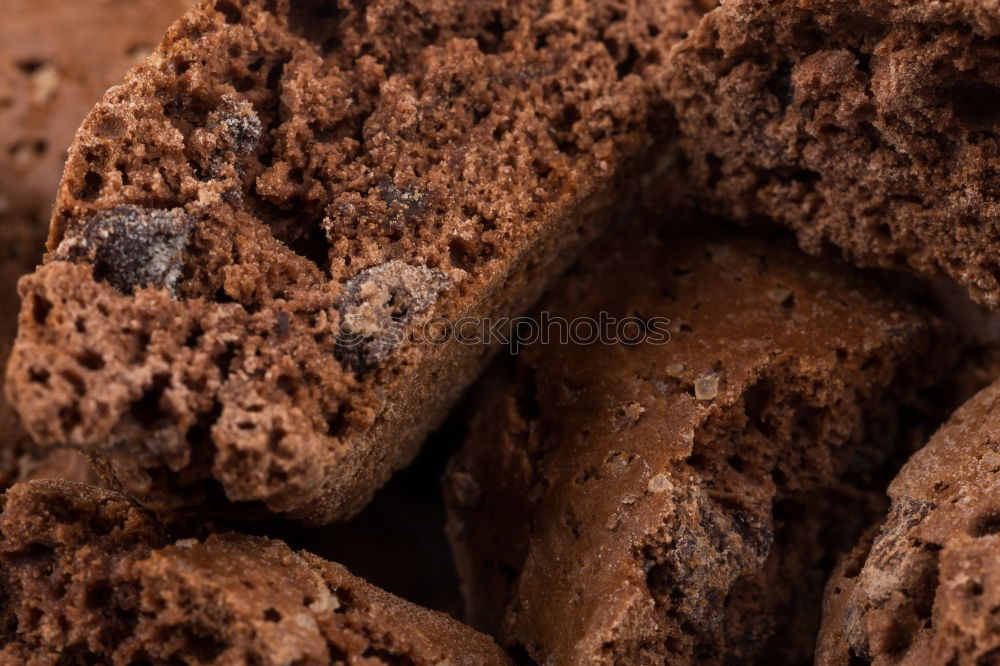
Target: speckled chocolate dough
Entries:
(87, 577)
(336, 162)
(643, 504)
(57, 57)
(20, 246)
(925, 587)
(868, 124)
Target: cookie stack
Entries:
(743, 256)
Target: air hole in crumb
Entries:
(317, 21)
(714, 165)
(91, 360)
(287, 384)
(986, 524)
(975, 103)
(39, 375)
(99, 596)
(75, 380)
(628, 65)
(70, 417)
(147, 409)
(491, 38)
(314, 246)
(780, 84)
(92, 184)
(779, 477)
(30, 66)
(806, 176)
(204, 645)
(272, 615)
(345, 599)
(229, 10)
(224, 360)
(697, 461)
(40, 308)
(335, 424)
(461, 254)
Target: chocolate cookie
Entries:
(925, 586)
(89, 578)
(57, 57)
(644, 503)
(867, 124)
(316, 181)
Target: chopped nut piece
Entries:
(781, 296)
(660, 483)
(707, 387)
(634, 410)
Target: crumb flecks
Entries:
(131, 247)
(240, 125)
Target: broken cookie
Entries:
(280, 173)
(648, 502)
(865, 124)
(923, 588)
(56, 59)
(89, 577)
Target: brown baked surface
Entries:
(924, 587)
(662, 503)
(88, 577)
(57, 57)
(278, 165)
(868, 124)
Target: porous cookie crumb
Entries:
(87, 575)
(865, 124)
(421, 160)
(56, 59)
(701, 532)
(923, 587)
